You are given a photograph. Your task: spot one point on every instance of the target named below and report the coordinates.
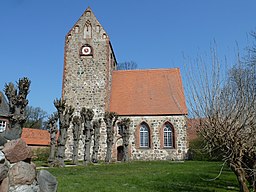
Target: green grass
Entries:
(155, 176)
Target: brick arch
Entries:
(161, 135)
(137, 134)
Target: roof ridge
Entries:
(152, 69)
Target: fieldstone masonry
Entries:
(87, 78)
(89, 61)
(18, 173)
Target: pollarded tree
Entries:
(65, 114)
(125, 133)
(53, 130)
(86, 117)
(76, 136)
(96, 145)
(110, 119)
(17, 97)
(226, 107)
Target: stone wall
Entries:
(156, 151)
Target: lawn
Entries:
(154, 176)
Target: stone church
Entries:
(153, 99)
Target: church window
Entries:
(2, 125)
(97, 28)
(119, 130)
(88, 13)
(77, 29)
(144, 135)
(104, 36)
(168, 135)
(88, 30)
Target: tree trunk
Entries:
(65, 114)
(52, 125)
(61, 147)
(240, 174)
(76, 135)
(96, 128)
(110, 119)
(87, 116)
(52, 149)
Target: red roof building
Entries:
(36, 137)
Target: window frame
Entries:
(168, 136)
(144, 136)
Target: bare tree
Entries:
(17, 97)
(110, 119)
(96, 145)
(76, 136)
(87, 116)
(65, 114)
(35, 117)
(53, 130)
(128, 65)
(226, 109)
(125, 133)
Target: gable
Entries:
(148, 92)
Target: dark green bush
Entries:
(40, 154)
(198, 152)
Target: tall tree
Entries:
(76, 136)
(96, 145)
(34, 117)
(18, 101)
(53, 130)
(65, 114)
(87, 116)
(226, 107)
(125, 133)
(110, 119)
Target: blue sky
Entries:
(154, 34)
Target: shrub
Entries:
(40, 154)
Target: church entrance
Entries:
(120, 153)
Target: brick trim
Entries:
(161, 136)
(137, 136)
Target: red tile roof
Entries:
(147, 92)
(36, 137)
(192, 125)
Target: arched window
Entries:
(88, 30)
(144, 135)
(168, 135)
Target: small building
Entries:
(36, 138)
(4, 113)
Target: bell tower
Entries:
(88, 64)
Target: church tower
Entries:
(88, 64)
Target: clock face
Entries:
(86, 50)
